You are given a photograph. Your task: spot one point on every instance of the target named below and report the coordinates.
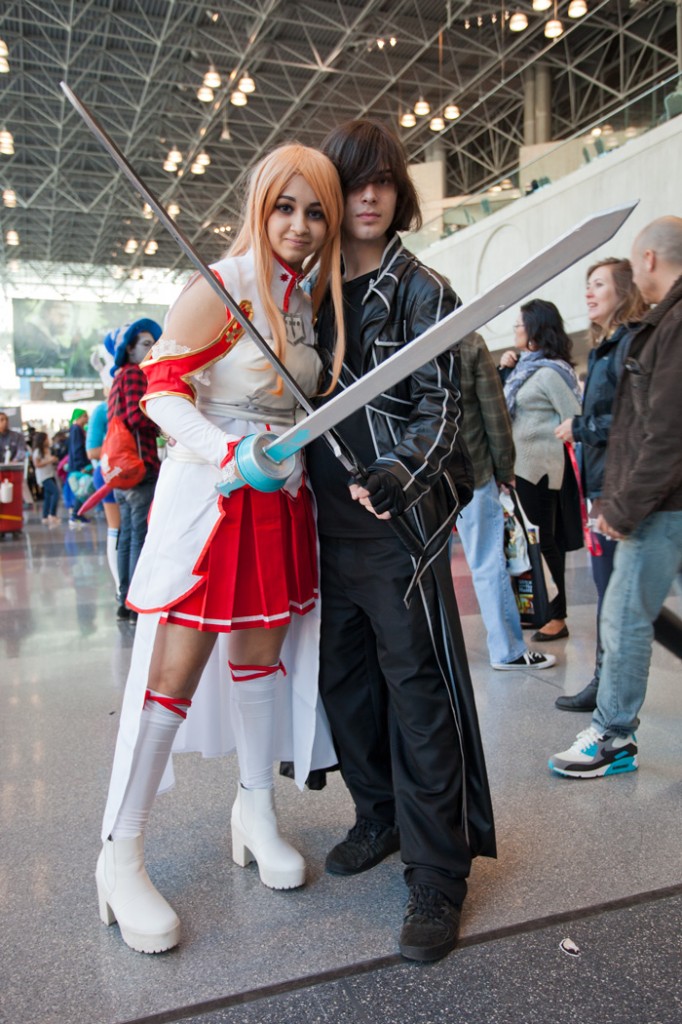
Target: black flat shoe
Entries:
(544, 638)
(586, 700)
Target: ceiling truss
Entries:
(138, 64)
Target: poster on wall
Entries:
(54, 339)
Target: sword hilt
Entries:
(256, 468)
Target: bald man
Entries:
(641, 507)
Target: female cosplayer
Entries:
(240, 569)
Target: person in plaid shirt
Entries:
(131, 345)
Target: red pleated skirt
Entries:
(258, 568)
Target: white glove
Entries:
(182, 421)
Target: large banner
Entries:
(54, 339)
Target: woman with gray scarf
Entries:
(541, 392)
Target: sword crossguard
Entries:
(256, 468)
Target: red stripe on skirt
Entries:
(260, 567)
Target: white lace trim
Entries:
(169, 347)
(229, 473)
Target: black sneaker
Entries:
(122, 612)
(431, 924)
(367, 844)
(530, 659)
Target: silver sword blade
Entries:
(552, 260)
(185, 244)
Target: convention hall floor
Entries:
(597, 861)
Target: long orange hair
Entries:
(267, 183)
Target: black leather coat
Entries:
(415, 424)
(415, 428)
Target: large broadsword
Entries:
(261, 459)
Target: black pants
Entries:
(541, 505)
(602, 567)
(390, 708)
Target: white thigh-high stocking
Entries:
(255, 835)
(252, 698)
(159, 722)
(112, 554)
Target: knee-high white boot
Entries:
(255, 837)
(254, 823)
(126, 894)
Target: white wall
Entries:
(645, 168)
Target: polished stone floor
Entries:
(599, 861)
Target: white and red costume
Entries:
(218, 563)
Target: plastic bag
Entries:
(515, 544)
(81, 484)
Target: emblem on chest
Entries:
(294, 327)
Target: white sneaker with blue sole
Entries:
(594, 754)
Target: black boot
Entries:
(367, 844)
(586, 700)
(431, 924)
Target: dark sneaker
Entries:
(594, 754)
(431, 924)
(586, 700)
(531, 659)
(367, 844)
(122, 612)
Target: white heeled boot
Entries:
(125, 892)
(255, 837)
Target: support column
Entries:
(543, 100)
(529, 107)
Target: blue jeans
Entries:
(644, 568)
(481, 530)
(134, 504)
(50, 497)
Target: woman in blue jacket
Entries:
(613, 302)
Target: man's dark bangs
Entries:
(363, 151)
(374, 156)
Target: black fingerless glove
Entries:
(386, 492)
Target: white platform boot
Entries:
(125, 892)
(255, 837)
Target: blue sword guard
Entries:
(256, 468)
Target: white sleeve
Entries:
(181, 420)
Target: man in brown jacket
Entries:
(641, 507)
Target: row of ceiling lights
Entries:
(518, 21)
(9, 196)
(422, 108)
(239, 97)
(174, 158)
(132, 245)
(152, 246)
